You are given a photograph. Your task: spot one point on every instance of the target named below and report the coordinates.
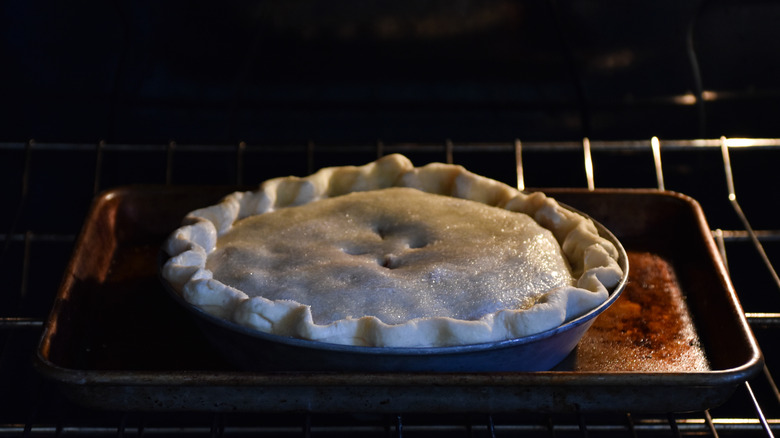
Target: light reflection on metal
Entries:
(745, 142)
(759, 411)
(721, 242)
(690, 98)
(735, 421)
(724, 148)
(588, 163)
(709, 96)
(519, 164)
(685, 99)
(659, 173)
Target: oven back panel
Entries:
(268, 72)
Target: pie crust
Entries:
(221, 264)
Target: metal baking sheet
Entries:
(677, 339)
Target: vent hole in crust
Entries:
(417, 242)
(388, 262)
(353, 251)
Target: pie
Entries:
(391, 255)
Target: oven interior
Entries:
(662, 95)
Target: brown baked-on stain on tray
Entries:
(649, 328)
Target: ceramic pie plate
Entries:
(251, 349)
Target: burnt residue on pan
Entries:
(649, 328)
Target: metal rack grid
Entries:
(31, 407)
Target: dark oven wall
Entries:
(356, 71)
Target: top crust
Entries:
(593, 259)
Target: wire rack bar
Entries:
(588, 159)
(508, 146)
(519, 165)
(732, 196)
(666, 427)
(761, 418)
(20, 323)
(655, 145)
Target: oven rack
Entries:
(32, 407)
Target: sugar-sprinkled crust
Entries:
(196, 248)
